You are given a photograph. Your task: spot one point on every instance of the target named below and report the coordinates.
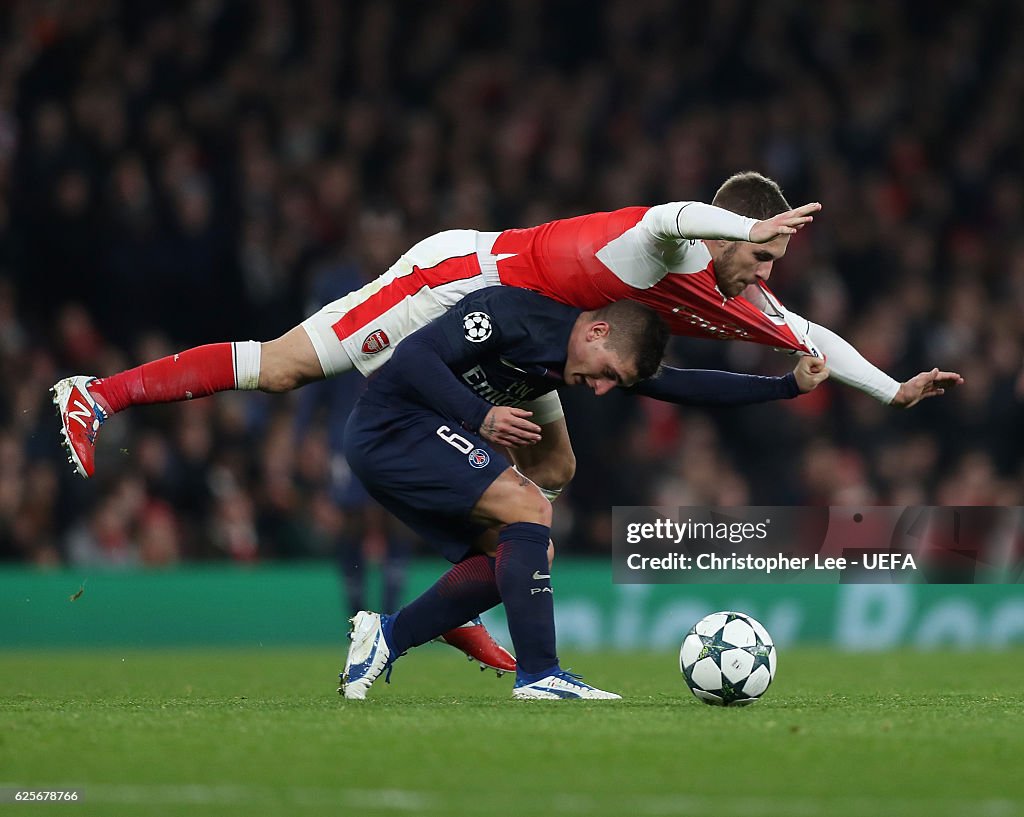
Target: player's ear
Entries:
(598, 330)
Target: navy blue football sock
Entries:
(464, 592)
(524, 580)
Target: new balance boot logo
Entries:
(73, 402)
(81, 413)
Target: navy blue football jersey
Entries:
(411, 437)
(503, 346)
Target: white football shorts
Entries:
(362, 329)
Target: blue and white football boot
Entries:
(368, 654)
(560, 685)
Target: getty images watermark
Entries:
(762, 544)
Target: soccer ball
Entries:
(727, 659)
(477, 326)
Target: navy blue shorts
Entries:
(424, 469)
(347, 491)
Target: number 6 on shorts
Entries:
(455, 440)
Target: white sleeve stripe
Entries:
(679, 227)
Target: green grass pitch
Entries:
(263, 732)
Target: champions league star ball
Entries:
(727, 659)
(477, 326)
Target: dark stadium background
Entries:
(179, 173)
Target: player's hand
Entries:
(926, 384)
(510, 427)
(784, 223)
(809, 372)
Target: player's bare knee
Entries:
(532, 505)
(554, 473)
(536, 509)
(546, 513)
(513, 498)
(564, 471)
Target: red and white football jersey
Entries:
(654, 255)
(639, 253)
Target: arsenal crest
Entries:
(375, 342)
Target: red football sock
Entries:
(193, 373)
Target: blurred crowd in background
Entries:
(181, 173)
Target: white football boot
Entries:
(560, 685)
(368, 655)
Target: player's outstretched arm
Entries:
(784, 223)
(849, 366)
(709, 387)
(923, 386)
(695, 220)
(845, 363)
